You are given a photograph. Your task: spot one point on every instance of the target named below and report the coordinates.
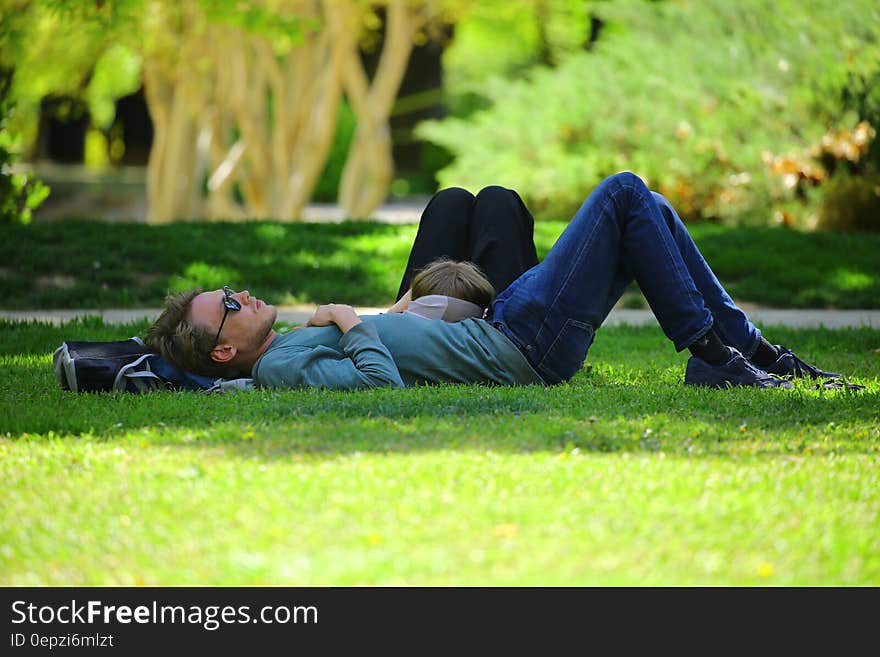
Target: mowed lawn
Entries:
(622, 477)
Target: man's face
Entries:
(246, 329)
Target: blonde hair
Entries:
(461, 280)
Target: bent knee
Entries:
(453, 195)
(495, 194)
(628, 179)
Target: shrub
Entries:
(836, 183)
(687, 95)
(851, 203)
(20, 193)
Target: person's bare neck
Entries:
(244, 360)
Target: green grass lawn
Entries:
(74, 264)
(622, 477)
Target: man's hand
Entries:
(334, 313)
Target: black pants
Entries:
(493, 229)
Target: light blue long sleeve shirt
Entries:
(393, 350)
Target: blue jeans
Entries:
(622, 232)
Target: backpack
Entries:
(128, 366)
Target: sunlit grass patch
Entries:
(623, 476)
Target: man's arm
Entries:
(367, 362)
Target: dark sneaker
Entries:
(736, 372)
(789, 365)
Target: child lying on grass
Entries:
(447, 290)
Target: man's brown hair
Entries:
(462, 280)
(182, 342)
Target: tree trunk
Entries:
(279, 155)
(258, 125)
(369, 167)
(173, 94)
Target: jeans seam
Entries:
(681, 274)
(612, 197)
(568, 322)
(670, 256)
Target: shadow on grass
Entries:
(820, 269)
(95, 264)
(600, 418)
(131, 265)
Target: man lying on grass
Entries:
(537, 330)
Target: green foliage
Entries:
(507, 39)
(20, 193)
(94, 50)
(54, 50)
(90, 263)
(117, 73)
(688, 95)
(622, 477)
(276, 21)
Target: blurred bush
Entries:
(20, 193)
(837, 181)
(689, 95)
(851, 203)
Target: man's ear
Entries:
(223, 353)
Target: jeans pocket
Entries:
(566, 354)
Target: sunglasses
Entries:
(228, 304)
